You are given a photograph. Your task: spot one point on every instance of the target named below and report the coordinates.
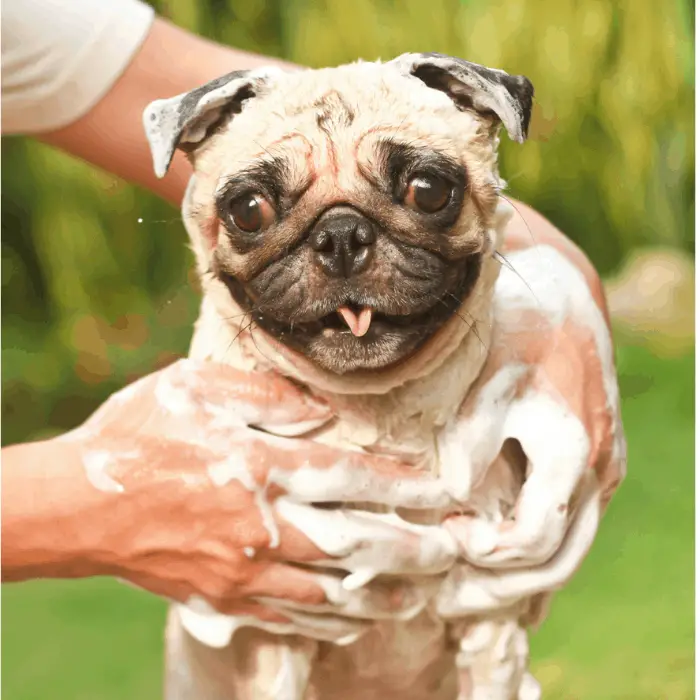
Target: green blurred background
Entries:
(98, 290)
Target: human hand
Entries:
(199, 505)
(550, 384)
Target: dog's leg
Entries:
(185, 675)
(493, 658)
(493, 646)
(271, 668)
(254, 666)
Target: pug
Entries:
(345, 223)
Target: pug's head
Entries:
(348, 210)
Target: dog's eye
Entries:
(428, 193)
(251, 213)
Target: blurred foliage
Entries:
(95, 273)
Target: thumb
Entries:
(467, 448)
(262, 399)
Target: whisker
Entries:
(501, 259)
(474, 321)
(502, 196)
(398, 128)
(504, 261)
(241, 330)
(252, 338)
(235, 316)
(259, 145)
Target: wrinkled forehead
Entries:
(347, 110)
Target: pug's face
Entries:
(346, 210)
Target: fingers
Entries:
(557, 447)
(470, 445)
(321, 474)
(369, 544)
(324, 628)
(375, 601)
(214, 629)
(468, 591)
(204, 402)
(236, 398)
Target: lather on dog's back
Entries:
(344, 223)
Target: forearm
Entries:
(170, 61)
(528, 228)
(51, 514)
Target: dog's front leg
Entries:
(493, 658)
(255, 665)
(493, 654)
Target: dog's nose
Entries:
(343, 241)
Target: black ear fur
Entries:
(472, 86)
(190, 117)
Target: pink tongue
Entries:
(357, 323)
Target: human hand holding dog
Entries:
(549, 383)
(168, 487)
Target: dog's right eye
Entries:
(428, 193)
(251, 212)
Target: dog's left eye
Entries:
(428, 193)
(251, 213)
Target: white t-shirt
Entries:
(60, 57)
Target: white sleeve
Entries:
(60, 57)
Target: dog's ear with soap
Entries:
(186, 120)
(487, 91)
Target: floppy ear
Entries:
(191, 117)
(471, 86)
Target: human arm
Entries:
(167, 486)
(170, 61)
(549, 383)
(47, 504)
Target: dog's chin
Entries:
(390, 339)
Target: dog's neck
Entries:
(397, 411)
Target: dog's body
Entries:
(412, 659)
(393, 393)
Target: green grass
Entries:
(622, 630)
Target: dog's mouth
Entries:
(361, 320)
(358, 329)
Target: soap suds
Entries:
(215, 630)
(379, 544)
(172, 398)
(96, 464)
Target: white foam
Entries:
(215, 630)
(96, 464)
(556, 288)
(174, 399)
(469, 445)
(374, 547)
(346, 481)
